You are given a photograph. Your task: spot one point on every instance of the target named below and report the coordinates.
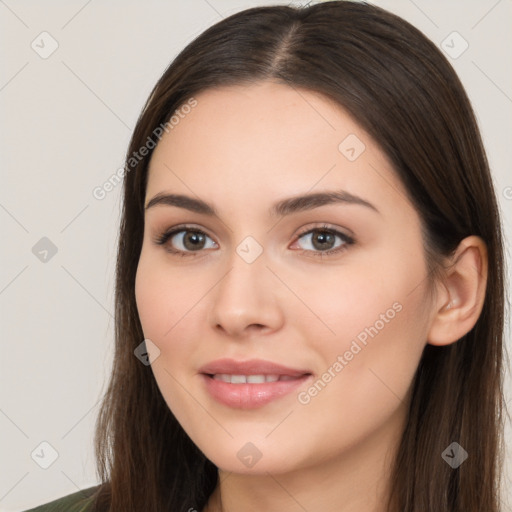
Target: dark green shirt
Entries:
(80, 501)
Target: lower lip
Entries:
(250, 396)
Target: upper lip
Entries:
(249, 367)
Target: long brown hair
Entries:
(402, 90)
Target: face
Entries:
(333, 291)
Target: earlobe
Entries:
(457, 310)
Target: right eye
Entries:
(187, 239)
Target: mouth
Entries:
(250, 384)
(252, 379)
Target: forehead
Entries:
(265, 112)
(267, 140)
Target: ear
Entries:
(460, 303)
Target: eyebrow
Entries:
(281, 208)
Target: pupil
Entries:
(194, 238)
(324, 237)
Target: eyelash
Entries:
(166, 235)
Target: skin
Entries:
(243, 148)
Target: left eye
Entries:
(322, 239)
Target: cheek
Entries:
(151, 295)
(361, 303)
(362, 387)
(162, 305)
(380, 325)
(375, 318)
(162, 294)
(168, 303)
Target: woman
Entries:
(309, 299)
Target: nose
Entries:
(246, 301)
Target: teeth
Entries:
(251, 379)
(254, 379)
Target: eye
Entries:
(187, 239)
(323, 240)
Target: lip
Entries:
(250, 396)
(250, 367)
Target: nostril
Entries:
(257, 325)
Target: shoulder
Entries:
(80, 501)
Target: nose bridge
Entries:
(245, 295)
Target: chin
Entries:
(252, 458)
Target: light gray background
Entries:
(66, 123)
